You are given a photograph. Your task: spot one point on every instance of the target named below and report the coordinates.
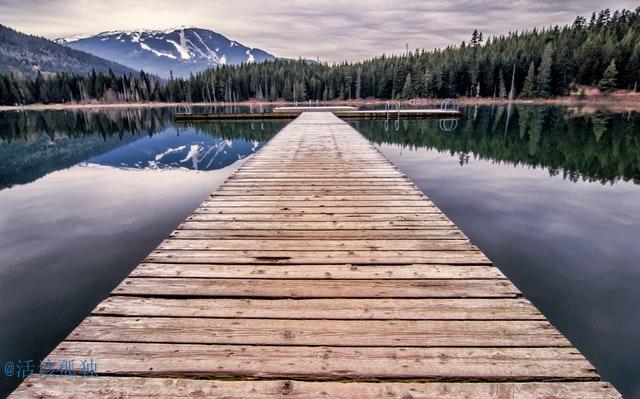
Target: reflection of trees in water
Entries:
(600, 147)
(34, 143)
(80, 123)
(30, 125)
(250, 131)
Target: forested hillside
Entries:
(603, 50)
(25, 55)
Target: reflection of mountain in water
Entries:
(33, 144)
(169, 150)
(600, 147)
(25, 161)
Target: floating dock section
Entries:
(342, 112)
(318, 270)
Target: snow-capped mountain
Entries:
(182, 50)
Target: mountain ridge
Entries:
(177, 51)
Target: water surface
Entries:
(552, 196)
(85, 197)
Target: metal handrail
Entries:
(448, 125)
(455, 105)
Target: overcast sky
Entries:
(333, 31)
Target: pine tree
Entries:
(512, 92)
(632, 69)
(608, 83)
(544, 74)
(474, 38)
(407, 89)
(502, 89)
(358, 83)
(528, 90)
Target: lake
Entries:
(550, 194)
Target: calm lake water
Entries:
(552, 196)
(85, 196)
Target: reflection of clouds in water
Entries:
(570, 247)
(69, 237)
(506, 188)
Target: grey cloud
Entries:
(335, 31)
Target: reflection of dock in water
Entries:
(342, 112)
(319, 269)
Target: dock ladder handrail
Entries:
(455, 105)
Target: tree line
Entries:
(603, 50)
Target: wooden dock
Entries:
(318, 270)
(342, 112)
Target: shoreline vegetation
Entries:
(618, 101)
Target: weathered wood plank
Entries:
(152, 388)
(359, 258)
(305, 288)
(222, 203)
(366, 333)
(185, 231)
(345, 308)
(468, 257)
(325, 245)
(335, 180)
(326, 217)
(315, 197)
(361, 210)
(303, 187)
(317, 271)
(335, 225)
(426, 364)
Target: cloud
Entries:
(340, 30)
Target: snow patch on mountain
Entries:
(182, 50)
(156, 52)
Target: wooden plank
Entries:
(324, 257)
(425, 364)
(318, 271)
(325, 245)
(186, 231)
(314, 197)
(318, 180)
(468, 257)
(335, 225)
(366, 333)
(362, 210)
(395, 182)
(362, 193)
(345, 308)
(314, 174)
(305, 288)
(301, 217)
(222, 203)
(152, 388)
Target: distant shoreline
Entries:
(620, 102)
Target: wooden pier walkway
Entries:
(318, 270)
